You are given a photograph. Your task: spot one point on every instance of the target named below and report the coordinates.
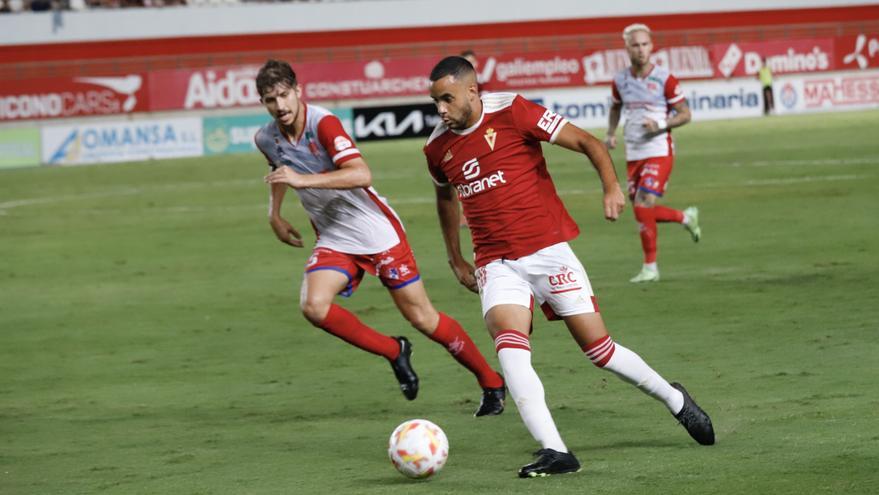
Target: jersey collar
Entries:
(304, 125)
(632, 71)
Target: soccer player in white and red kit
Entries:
(487, 152)
(357, 232)
(653, 103)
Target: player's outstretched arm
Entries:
(352, 174)
(576, 139)
(449, 218)
(282, 228)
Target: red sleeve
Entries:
(536, 122)
(615, 93)
(335, 140)
(673, 91)
(436, 173)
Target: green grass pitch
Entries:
(151, 339)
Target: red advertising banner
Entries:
(72, 97)
(223, 87)
(783, 57)
(234, 86)
(566, 69)
(857, 52)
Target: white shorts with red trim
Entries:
(553, 276)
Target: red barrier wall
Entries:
(408, 36)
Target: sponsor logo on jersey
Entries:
(342, 143)
(549, 121)
(490, 137)
(470, 169)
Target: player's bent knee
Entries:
(423, 321)
(315, 311)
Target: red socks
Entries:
(343, 324)
(647, 221)
(450, 334)
(647, 217)
(666, 214)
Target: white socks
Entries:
(514, 354)
(627, 365)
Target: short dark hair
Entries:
(454, 66)
(274, 72)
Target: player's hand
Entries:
(614, 203)
(284, 175)
(285, 232)
(465, 273)
(610, 141)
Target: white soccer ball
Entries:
(418, 448)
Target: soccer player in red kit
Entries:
(487, 151)
(357, 232)
(654, 104)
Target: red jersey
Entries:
(498, 170)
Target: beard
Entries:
(458, 124)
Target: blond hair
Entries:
(634, 28)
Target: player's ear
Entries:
(473, 90)
(298, 90)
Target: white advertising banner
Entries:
(121, 141)
(729, 99)
(708, 100)
(827, 92)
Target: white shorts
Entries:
(554, 276)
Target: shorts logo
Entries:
(341, 143)
(563, 278)
(470, 169)
(387, 260)
(564, 281)
(650, 169)
(311, 261)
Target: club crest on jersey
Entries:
(490, 137)
(312, 146)
(448, 156)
